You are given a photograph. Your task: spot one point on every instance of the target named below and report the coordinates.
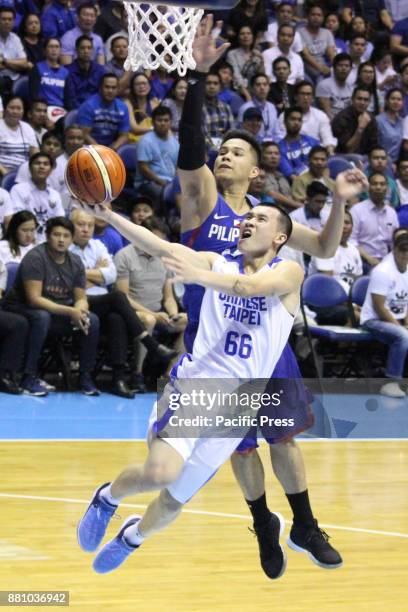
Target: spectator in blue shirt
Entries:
(84, 74)
(157, 154)
(104, 118)
(108, 235)
(389, 123)
(399, 38)
(295, 147)
(47, 79)
(86, 23)
(57, 19)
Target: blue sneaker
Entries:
(87, 385)
(115, 552)
(92, 526)
(32, 386)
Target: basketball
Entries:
(95, 174)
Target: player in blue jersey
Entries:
(211, 210)
(232, 345)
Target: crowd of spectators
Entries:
(318, 84)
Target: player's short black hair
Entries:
(285, 222)
(316, 188)
(249, 138)
(59, 222)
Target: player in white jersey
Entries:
(231, 344)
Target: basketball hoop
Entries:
(163, 34)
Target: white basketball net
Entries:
(161, 36)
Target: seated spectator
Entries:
(332, 23)
(110, 237)
(366, 78)
(315, 123)
(319, 46)
(161, 82)
(141, 208)
(140, 104)
(356, 48)
(228, 93)
(217, 115)
(334, 93)
(284, 14)
(399, 38)
(112, 308)
(86, 19)
(32, 39)
(175, 102)
(259, 90)
(109, 20)
(17, 139)
(54, 304)
(37, 118)
(13, 337)
(402, 181)
(294, 147)
(276, 184)
(313, 213)
(116, 65)
(281, 93)
(390, 124)
(52, 145)
(318, 171)
(257, 188)
(48, 78)
(378, 162)
(374, 14)
(354, 127)
(373, 223)
(286, 36)
(43, 201)
(20, 237)
(157, 155)
(13, 59)
(359, 27)
(251, 14)
(252, 122)
(385, 74)
(145, 282)
(57, 18)
(245, 60)
(104, 118)
(84, 74)
(346, 265)
(385, 309)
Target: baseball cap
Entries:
(252, 113)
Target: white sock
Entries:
(132, 535)
(107, 496)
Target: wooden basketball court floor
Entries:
(208, 560)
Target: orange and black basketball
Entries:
(95, 174)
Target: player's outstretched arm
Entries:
(325, 243)
(282, 280)
(145, 240)
(198, 187)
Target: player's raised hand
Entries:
(205, 51)
(350, 183)
(184, 271)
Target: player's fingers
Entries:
(208, 24)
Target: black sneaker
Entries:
(315, 542)
(272, 555)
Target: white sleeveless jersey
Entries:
(237, 337)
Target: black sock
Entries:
(118, 373)
(300, 504)
(149, 342)
(259, 510)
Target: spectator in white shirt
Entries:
(315, 123)
(313, 213)
(34, 194)
(284, 14)
(357, 49)
(385, 312)
(17, 138)
(19, 237)
(402, 181)
(318, 44)
(334, 94)
(13, 57)
(286, 36)
(259, 88)
(52, 145)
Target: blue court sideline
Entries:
(76, 417)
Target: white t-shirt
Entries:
(387, 280)
(346, 265)
(297, 69)
(339, 97)
(56, 179)
(15, 144)
(44, 204)
(8, 257)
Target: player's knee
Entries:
(283, 447)
(168, 502)
(159, 475)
